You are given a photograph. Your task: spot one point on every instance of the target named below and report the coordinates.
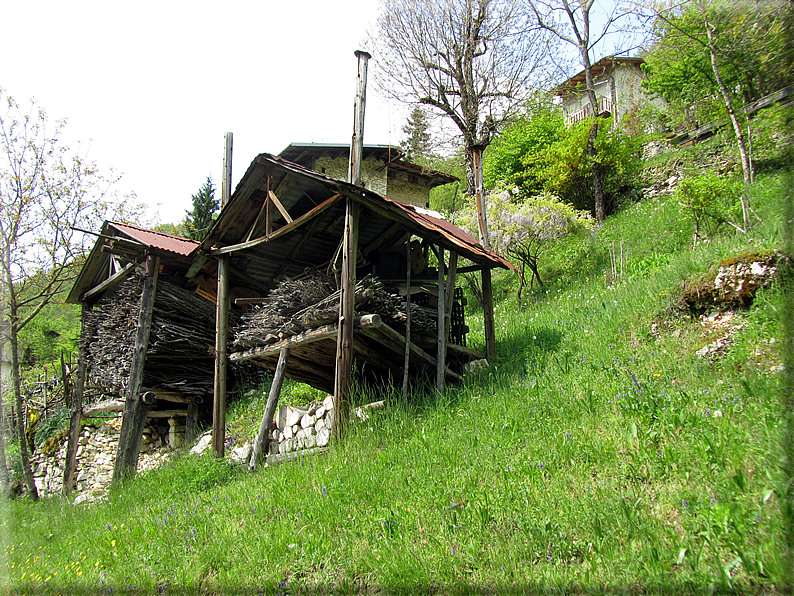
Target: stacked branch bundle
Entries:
(297, 305)
(181, 344)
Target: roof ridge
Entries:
(142, 229)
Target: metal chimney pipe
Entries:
(357, 144)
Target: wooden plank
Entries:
(134, 407)
(487, 308)
(301, 339)
(261, 441)
(258, 220)
(272, 196)
(76, 421)
(167, 414)
(344, 346)
(297, 248)
(221, 358)
(109, 282)
(396, 342)
(111, 405)
(281, 231)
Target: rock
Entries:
(288, 434)
(242, 454)
(320, 412)
(307, 421)
(319, 425)
(476, 366)
(82, 498)
(310, 441)
(328, 402)
(202, 445)
(322, 437)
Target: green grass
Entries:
(598, 454)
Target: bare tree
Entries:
(570, 21)
(473, 61)
(46, 191)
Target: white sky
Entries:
(153, 86)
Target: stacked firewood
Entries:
(297, 305)
(181, 343)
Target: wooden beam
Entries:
(281, 231)
(293, 455)
(301, 339)
(344, 338)
(487, 308)
(297, 248)
(109, 282)
(221, 358)
(406, 357)
(272, 196)
(441, 352)
(191, 423)
(111, 405)
(135, 408)
(261, 441)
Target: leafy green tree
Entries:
(711, 58)
(417, 144)
(529, 135)
(47, 193)
(205, 207)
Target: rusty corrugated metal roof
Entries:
(158, 240)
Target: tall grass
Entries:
(599, 453)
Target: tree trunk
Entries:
(747, 169)
(4, 475)
(595, 172)
(27, 471)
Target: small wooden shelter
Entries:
(284, 218)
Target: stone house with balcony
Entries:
(617, 86)
(383, 170)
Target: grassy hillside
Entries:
(599, 453)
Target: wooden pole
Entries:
(487, 308)
(407, 319)
(357, 143)
(222, 306)
(442, 335)
(344, 340)
(134, 407)
(261, 442)
(191, 422)
(450, 291)
(76, 422)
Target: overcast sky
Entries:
(153, 86)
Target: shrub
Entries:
(711, 201)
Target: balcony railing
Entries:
(604, 105)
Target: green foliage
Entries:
(55, 331)
(753, 57)
(504, 161)
(48, 427)
(205, 206)
(539, 153)
(178, 229)
(712, 201)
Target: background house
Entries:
(617, 86)
(383, 170)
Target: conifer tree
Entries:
(417, 143)
(205, 206)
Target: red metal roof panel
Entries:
(159, 240)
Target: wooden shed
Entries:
(284, 219)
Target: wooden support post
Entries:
(261, 442)
(221, 358)
(487, 309)
(479, 197)
(449, 294)
(442, 335)
(76, 422)
(191, 422)
(134, 407)
(222, 306)
(344, 340)
(407, 318)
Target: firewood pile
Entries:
(181, 343)
(300, 304)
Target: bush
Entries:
(48, 427)
(711, 201)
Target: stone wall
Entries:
(96, 454)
